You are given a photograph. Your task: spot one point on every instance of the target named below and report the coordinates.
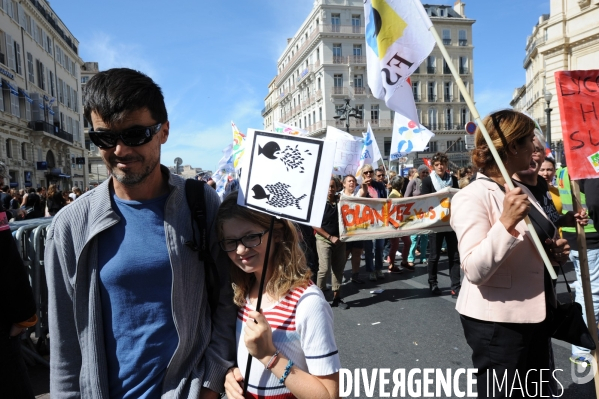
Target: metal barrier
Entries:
(30, 237)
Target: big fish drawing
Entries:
(279, 196)
(269, 150)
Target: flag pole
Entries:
(494, 152)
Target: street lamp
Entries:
(346, 112)
(548, 110)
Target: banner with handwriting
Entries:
(372, 218)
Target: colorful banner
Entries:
(288, 129)
(578, 98)
(397, 41)
(238, 145)
(408, 136)
(371, 218)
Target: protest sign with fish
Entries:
(288, 176)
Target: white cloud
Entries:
(111, 52)
(200, 144)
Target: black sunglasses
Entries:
(132, 137)
(248, 241)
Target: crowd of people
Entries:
(31, 203)
(132, 312)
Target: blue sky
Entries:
(214, 59)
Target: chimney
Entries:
(460, 8)
(289, 39)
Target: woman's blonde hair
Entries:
(505, 127)
(51, 190)
(288, 269)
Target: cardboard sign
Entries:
(347, 151)
(371, 218)
(287, 176)
(578, 97)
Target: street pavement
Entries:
(404, 327)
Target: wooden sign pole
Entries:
(586, 281)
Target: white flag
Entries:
(408, 136)
(397, 41)
(370, 149)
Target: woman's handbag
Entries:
(566, 323)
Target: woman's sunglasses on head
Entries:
(132, 137)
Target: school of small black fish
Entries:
(292, 158)
(280, 197)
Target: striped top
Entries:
(302, 329)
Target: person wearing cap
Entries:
(413, 190)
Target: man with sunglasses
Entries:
(128, 309)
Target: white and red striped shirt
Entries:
(302, 329)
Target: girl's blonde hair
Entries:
(288, 269)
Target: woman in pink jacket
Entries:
(506, 289)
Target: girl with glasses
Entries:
(291, 339)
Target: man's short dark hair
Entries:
(31, 190)
(40, 189)
(5, 188)
(115, 93)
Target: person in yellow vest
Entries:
(581, 355)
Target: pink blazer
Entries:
(503, 274)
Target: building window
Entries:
(432, 147)
(359, 84)
(25, 106)
(320, 113)
(430, 64)
(8, 148)
(416, 90)
(51, 82)
(41, 75)
(19, 68)
(446, 69)
(463, 65)
(30, 73)
(448, 118)
(387, 146)
(462, 38)
(338, 84)
(357, 53)
(446, 36)
(374, 113)
(456, 146)
(24, 151)
(337, 58)
(432, 119)
(356, 23)
(432, 97)
(463, 117)
(335, 22)
(447, 92)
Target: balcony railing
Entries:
(417, 98)
(432, 98)
(338, 28)
(444, 126)
(446, 70)
(339, 59)
(463, 70)
(339, 90)
(357, 59)
(463, 42)
(447, 42)
(431, 70)
(447, 98)
(305, 72)
(360, 90)
(42, 126)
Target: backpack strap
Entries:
(194, 193)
